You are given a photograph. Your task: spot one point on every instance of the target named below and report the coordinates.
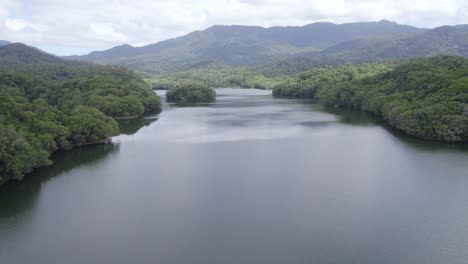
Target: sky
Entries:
(74, 27)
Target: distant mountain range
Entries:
(446, 40)
(243, 45)
(279, 48)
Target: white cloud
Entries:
(79, 26)
(14, 24)
(105, 32)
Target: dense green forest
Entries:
(424, 97)
(191, 93)
(307, 84)
(265, 76)
(216, 75)
(48, 104)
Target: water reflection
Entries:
(236, 116)
(360, 118)
(16, 197)
(131, 126)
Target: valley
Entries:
(248, 132)
(52, 103)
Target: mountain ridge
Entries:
(19, 52)
(444, 40)
(237, 45)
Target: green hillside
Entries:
(447, 40)
(48, 104)
(239, 45)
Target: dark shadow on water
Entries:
(350, 117)
(360, 118)
(131, 126)
(316, 123)
(426, 145)
(191, 104)
(16, 197)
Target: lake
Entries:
(247, 179)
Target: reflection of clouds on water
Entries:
(263, 133)
(236, 115)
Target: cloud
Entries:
(66, 27)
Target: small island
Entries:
(190, 94)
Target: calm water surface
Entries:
(248, 179)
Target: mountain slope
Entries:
(446, 40)
(118, 51)
(4, 42)
(240, 45)
(18, 52)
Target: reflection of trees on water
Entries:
(131, 126)
(17, 197)
(361, 118)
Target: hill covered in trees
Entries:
(17, 53)
(424, 97)
(240, 45)
(216, 75)
(48, 104)
(446, 40)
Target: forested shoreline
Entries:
(48, 104)
(424, 97)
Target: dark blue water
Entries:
(248, 179)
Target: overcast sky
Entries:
(68, 27)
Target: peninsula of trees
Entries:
(48, 104)
(425, 97)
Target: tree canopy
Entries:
(189, 94)
(48, 104)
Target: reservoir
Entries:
(247, 179)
